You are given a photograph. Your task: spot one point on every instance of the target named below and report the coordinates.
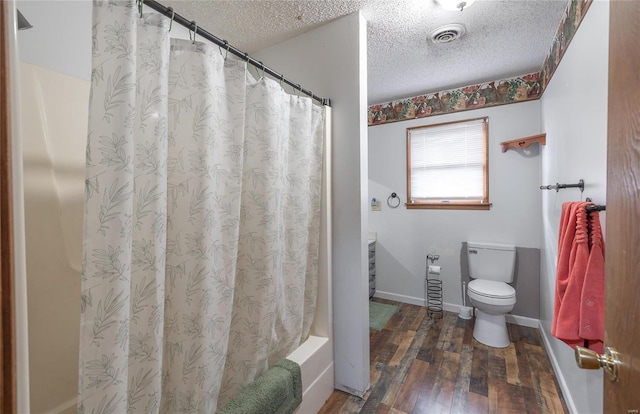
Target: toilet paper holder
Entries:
(432, 258)
(433, 289)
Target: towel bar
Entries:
(559, 186)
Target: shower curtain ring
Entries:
(228, 46)
(299, 90)
(195, 31)
(173, 15)
(140, 7)
(281, 79)
(262, 69)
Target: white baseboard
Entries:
(449, 307)
(399, 298)
(452, 307)
(556, 368)
(522, 320)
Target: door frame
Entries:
(622, 283)
(7, 260)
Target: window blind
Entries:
(448, 162)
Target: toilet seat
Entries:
(491, 289)
(491, 293)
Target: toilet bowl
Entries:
(493, 300)
(491, 268)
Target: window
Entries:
(447, 165)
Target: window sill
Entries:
(448, 206)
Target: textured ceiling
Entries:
(504, 37)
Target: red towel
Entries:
(578, 317)
(562, 268)
(567, 316)
(565, 242)
(592, 301)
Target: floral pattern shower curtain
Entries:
(201, 221)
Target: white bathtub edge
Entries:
(314, 397)
(315, 357)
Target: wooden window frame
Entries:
(484, 204)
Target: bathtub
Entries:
(54, 154)
(315, 357)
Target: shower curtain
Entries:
(202, 212)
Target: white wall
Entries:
(331, 61)
(406, 236)
(574, 116)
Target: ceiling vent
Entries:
(447, 34)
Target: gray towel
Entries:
(276, 391)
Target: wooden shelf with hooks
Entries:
(523, 143)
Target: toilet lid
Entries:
(491, 289)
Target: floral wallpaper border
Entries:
(499, 92)
(573, 15)
(518, 89)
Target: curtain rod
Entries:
(169, 12)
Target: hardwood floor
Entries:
(423, 365)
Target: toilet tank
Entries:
(491, 261)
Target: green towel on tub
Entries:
(276, 391)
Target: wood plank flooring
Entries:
(423, 365)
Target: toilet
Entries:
(491, 268)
